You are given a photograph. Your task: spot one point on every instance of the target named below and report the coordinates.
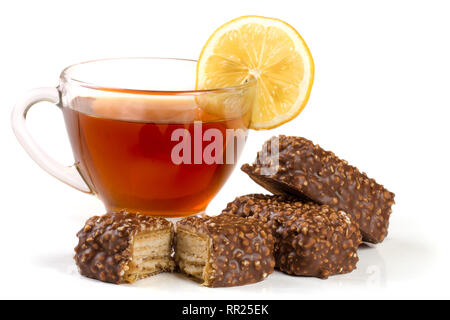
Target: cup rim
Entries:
(66, 78)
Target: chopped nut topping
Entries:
(308, 172)
(310, 239)
(109, 238)
(240, 252)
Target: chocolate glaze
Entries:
(241, 250)
(311, 239)
(105, 243)
(307, 171)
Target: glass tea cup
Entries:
(142, 138)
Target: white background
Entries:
(380, 100)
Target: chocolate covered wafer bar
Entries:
(123, 247)
(310, 239)
(224, 250)
(308, 172)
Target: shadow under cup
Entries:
(165, 151)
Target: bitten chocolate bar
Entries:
(308, 172)
(224, 251)
(122, 247)
(310, 239)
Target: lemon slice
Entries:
(271, 51)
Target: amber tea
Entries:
(158, 162)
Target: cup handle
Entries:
(68, 175)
